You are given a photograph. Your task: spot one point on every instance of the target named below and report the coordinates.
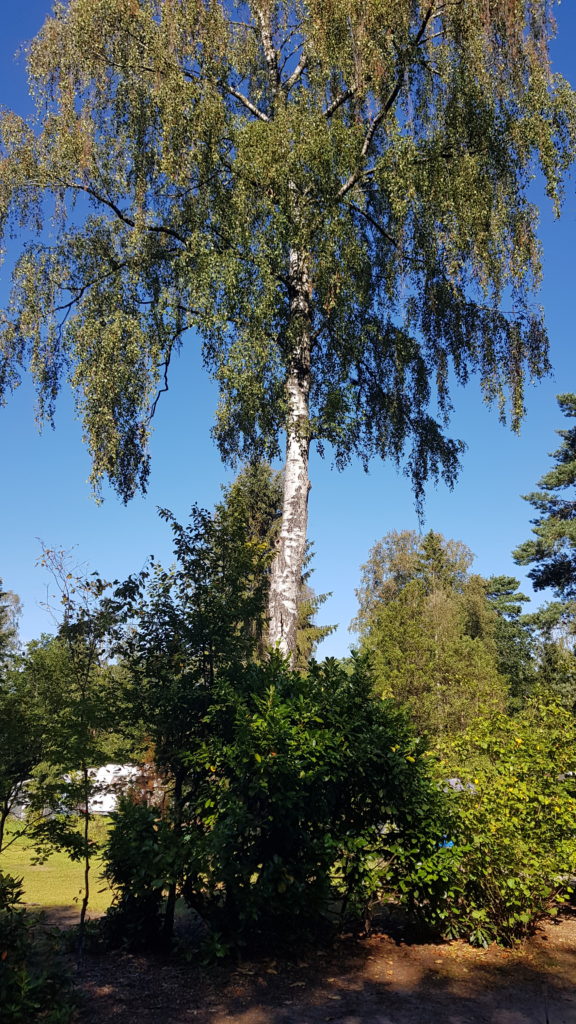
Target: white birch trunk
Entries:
(286, 572)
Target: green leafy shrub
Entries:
(33, 985)
(512, 839)
(292, 792)
(302, 784)
(137, 865)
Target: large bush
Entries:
(302, 781)
(297, 788)
(137, 865)
(511, 849)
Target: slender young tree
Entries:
(78, 703)
(332, 193)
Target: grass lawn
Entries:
(58, 881)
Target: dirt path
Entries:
(376, 982)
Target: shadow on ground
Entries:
(65, 916)
(375, 982)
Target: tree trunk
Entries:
(170, 910)
(4, 811)
(286, 572)
(86, 836)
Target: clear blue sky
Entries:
(43, 476)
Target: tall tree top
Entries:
(10, 609)
(401, 557)
(552, 551)
(185, 148)
(505, 597)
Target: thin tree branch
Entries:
(288, 57)
(435, 35)
(245, 102)
(292, 30)
(387, 106)
(296, 74)
(375, 224)
(81, 289)
(196, 76)
(385, 234)
(165, 388)
(243, 24)
(106, 201)
(339, 101)
(193, 76)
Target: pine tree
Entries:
(514, 637)
(552, 552)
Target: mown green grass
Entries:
(58, 881)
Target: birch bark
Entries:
(286, 572)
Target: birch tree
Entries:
(330, 195)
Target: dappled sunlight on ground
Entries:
(378, 981)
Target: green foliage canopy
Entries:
(429, 630)
(403, 556)
(20, 738)
(185, 149)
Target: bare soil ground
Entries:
(376, 981)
